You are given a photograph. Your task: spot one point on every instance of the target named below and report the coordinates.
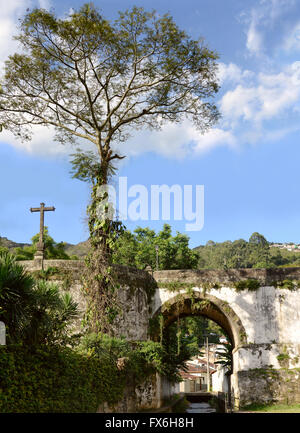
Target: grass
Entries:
(273, 408)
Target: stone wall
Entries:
(133, 296)
(136, 399)
(196, 276)
(269, 317)
(132, 323)
(267, 385)
(37, 265)
(264, 324)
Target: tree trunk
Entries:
(99, 282)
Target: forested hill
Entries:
(139, 249)
(257, 252)
(6, 243)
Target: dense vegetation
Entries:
(256, 253)
(55, 379)
(53, 250)
(139, 249)
(46, 367)
(187, 338)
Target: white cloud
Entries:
(42, 142)
(254, 37)
(177, 141)
(273, 95)
(232, 73)
(240, 103)
(11, 11)
(266, 19)
(214, 138)
(291, 42)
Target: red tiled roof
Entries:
(192, 369)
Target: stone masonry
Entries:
(263, 324)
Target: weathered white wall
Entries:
(265, 364)
(270, 317)
(219, 380)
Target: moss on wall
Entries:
(269, 385)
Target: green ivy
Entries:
(55, 379)
(251, 284)
(286, 284)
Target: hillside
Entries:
(257, 252)
(4, 242)
(80, 249)
(213, 255)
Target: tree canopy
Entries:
(97, 81)
(93, 79)
(256, 253)
(139, 249)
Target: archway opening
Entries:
(176, 311)
(208, 306)
(203, 351)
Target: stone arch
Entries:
(209, 306)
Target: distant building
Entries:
(195, 378)
(287, 246)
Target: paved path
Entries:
(200, 408)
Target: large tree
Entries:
(94, 80)
(138, 249)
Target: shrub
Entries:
(55, 379)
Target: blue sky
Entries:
(248, 163)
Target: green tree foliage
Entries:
(16, 288)
(256, 253)
(139, 249)
(178, 348)
(136, 360)
(200, 327)
(53, 250)
(185, 339)
(98, 81)
(50, 316)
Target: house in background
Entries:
(194, 379)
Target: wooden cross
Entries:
(42, 209)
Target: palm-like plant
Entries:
(225, 356)
(15, 295)
(50, 315)
(34, 312)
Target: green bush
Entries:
(55, 379)
(139, 359)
